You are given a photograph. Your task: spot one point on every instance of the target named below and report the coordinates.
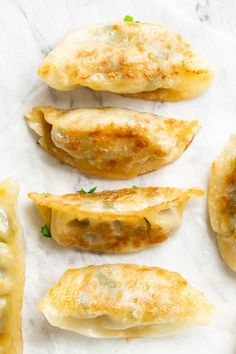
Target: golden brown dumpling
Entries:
(125, 220)
(140, 60)
(124, 300)
(222, 202)
(11, 270)
(111, 142)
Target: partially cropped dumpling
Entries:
(125, 220)
(124, 300)
(141, 60)
(111, 142)
(11, 270)
(222, 202)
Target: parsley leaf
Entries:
(90, 191)
(135, 186)
(45, 231)
(128, 18)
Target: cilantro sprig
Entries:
(45, 231)
(90, 191)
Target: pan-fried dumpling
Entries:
(125, 220)
(11, 270)
(124, 300)
(111, 142)
(222, 202)
(140, 60)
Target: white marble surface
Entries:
(28, 30)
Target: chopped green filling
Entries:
(105, 281)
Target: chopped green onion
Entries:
(82, 191)
(90, 191)
(128, 18)
(45, 231)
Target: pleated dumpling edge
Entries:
(142, 60)
(114, 221)
(109, 142)
(124, 301)
(222, 202)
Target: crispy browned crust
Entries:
(157, 64)
(103, 228)
(117, 149)
(222, 202)
(124, 295)
(168, 95)
(11, 335)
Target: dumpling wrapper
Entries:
(124, 300)
(125, 220)
(139, 60)
(222, 202)
(111, 142)
(11, 270)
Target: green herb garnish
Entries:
(45, 231)
(82, 191)
(90, 191)
(128, 18)
(135, 186)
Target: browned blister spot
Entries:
(45, 70)
(140, 46)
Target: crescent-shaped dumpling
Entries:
(125, 220)
(141, 60)
(124, 300)
(11, 270)
(111, 142)
(222, 202)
